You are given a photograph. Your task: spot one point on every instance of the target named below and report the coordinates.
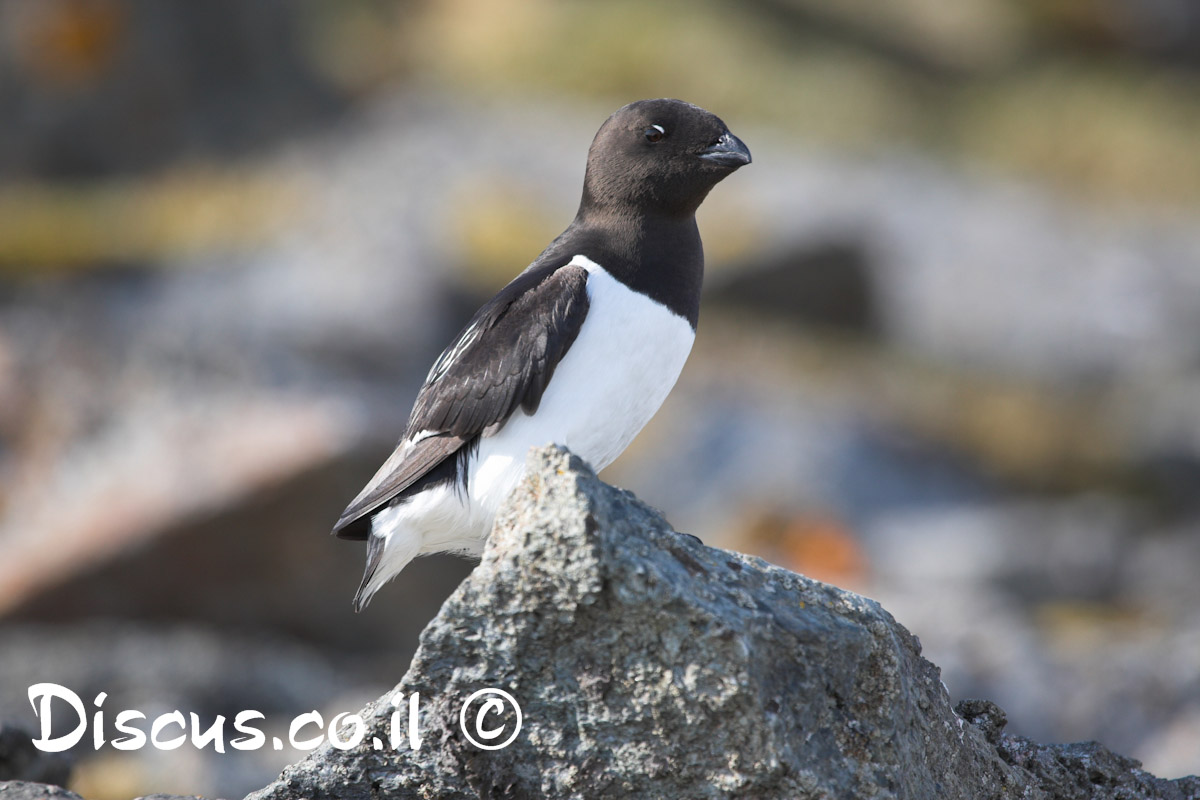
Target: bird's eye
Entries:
(655, 133)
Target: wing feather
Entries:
(501, 361)
(409, 462)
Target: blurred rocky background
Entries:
(949, 356)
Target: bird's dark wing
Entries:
(409, 462)
(503, 360)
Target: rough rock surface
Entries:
(24, 790)
(649, 665)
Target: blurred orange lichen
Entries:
(819, 546)
(69, 42)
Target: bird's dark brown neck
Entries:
(658, 255)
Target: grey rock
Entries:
(1090, 771)
(647, 665)
(985, 715)
(24, 790)
(1078, 771)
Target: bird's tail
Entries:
(388, 552)
(369, 586)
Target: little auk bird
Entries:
(579, 350)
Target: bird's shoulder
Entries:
(504, 357)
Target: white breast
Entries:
(627, 356)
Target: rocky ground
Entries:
(649, 664)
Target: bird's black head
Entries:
(659, 156)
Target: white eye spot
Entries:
(659, 128)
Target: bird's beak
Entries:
(728, 151)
